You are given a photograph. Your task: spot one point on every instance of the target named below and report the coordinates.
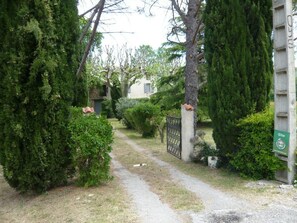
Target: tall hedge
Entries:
(238, 53)
(38, 51)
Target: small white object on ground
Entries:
(140, 164)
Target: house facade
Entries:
(96, 97)
(143, 88)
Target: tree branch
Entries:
(87, 26)
(179, 11)
(81, 15)
(87, 50)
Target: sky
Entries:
(142, 29)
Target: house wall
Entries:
(138, 90)
(96, 97)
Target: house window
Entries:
(148, 88)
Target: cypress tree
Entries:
(238, 52)
(37, 69)
(259, 21)
(228, 58)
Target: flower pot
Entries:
(212, 161)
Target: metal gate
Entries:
(174, 136)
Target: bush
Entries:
(107, 108)
(121, 106)
(173, 112)
(254, 157)
(75, 113)
(128, 119)
(145, 118)
(91, 139)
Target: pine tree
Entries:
(238, 53)
(38, 59)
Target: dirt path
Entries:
(148, 205)
(220, 207)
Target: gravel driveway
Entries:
(220, 207)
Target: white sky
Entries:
(147, 30)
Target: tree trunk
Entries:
(192, 24)
(191, 72)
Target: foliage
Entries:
(238, 52)
(260, 67)
(202, 149)
(173, 112)
(97, 38)
(81, 92)
(128, 119)
(121, 106)
(254, 157)
(161, 126)
(145, 118)
(86, 80)
(107, 108)
(38, 59)
(171, 85)
(75, 113)
(91, 139)
(171, 91)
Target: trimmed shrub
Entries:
(255, 158)
(128, 117)
(91, 139)
(121, 106)
(145, 118)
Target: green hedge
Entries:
(144, 117)
(255, 158)
(91, 139)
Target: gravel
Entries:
(220, 207)
(148, 205)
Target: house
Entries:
(96, 97)
(143, 88)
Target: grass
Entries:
(106, 203)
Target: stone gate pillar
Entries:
(188, 132)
